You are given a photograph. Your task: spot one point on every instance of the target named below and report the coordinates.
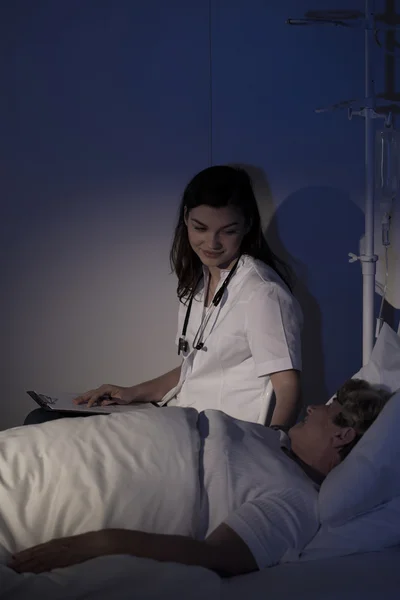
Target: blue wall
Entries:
(110, 95)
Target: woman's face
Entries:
(216, 234)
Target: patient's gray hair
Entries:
(361, 404)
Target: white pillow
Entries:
(370, 475)
(359, 501)
(383, 367)
(369, 532)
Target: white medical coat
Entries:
(252, 333)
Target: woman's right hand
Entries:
(107, 394)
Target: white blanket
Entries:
(166, 471)
(134, 471)
(113, 578)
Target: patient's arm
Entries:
(223, 551)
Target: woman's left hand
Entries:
(62, 552)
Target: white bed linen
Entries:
(370, 576)
(113, 578)
(75, 475)
(46, 463)
(367, 576)
(168, 471)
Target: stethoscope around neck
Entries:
(198, 344)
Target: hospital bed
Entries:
(83, 471)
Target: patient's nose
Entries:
(310, 409)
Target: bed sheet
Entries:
(70, 476)
(372, 576)
(369, 576)
(113, 578)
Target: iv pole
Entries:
(367, 257)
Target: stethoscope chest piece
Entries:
(183, 345)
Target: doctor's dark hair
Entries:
(220, 186)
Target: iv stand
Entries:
(367, 258)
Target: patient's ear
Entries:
(344, 436)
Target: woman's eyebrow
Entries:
(223, 227)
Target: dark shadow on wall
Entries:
(319, 227)
(313, 230)
(313, 376)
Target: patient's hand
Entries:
(62, 552)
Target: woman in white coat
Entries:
(239, 324)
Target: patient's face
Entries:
(317, 430)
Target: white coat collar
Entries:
(225, 272)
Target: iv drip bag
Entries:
(387, 163)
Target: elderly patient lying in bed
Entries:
(258, 491)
